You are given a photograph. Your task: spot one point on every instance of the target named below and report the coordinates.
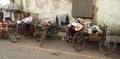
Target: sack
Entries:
(94, 30)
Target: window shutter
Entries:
(82, 8)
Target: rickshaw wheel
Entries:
(43, 38)
(14, 35)
(78, 41)
(107, 45)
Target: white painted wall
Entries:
(109, 13)
(4, 2)
(108, 10)
(48, 8)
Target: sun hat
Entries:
(78, 27)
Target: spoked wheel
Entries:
(15, 36)
(42, 39)
(107, 45)
(78, 41)
(54, 35)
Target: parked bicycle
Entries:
(107, 45)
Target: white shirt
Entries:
(28, 19)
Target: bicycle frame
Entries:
(105, 35)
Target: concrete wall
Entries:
(48, 8)
(109, 13)
(108, 10)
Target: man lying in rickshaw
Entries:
(50, 28)
(74, 27)
(82, 24)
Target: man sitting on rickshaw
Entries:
(26, 22)
(28, 19)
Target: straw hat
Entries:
(78, 27)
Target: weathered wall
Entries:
(109, 13)
(48, 8)
(108, 10)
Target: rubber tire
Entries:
(82, 40)
(113, 49)
(14, 33)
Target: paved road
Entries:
(28, 48)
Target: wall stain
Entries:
(56, 4)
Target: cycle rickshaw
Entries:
(100, 33)
(50, 31)
(18, 30)
(54, 27)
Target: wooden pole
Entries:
(95, 12)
